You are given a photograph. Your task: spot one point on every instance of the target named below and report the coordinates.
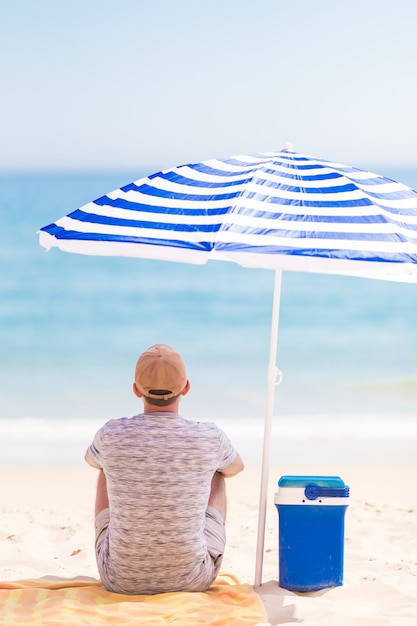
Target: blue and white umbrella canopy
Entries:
(275, 210)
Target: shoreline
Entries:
(352, 439)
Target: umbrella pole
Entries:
(271, 381)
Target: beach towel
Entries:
(82, 602)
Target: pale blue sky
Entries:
(144, 85)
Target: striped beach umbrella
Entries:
(275, 210)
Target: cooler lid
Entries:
(312, 490)
(319, 481)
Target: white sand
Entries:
(46, 529)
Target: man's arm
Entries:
(91, 461)
(233, 469)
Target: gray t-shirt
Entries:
(158, 468)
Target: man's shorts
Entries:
(216, 537)
(214, 532)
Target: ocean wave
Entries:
(358, 438)
(287, 428)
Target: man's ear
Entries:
(186, 388)
(136, 391)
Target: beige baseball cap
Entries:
(160, 372)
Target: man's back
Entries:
(158, 468)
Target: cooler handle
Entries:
(312, 492)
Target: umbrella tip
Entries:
(287, 147)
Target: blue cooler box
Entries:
(311, 512)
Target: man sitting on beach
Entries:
(161, 498)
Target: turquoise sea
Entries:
(72, 326)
